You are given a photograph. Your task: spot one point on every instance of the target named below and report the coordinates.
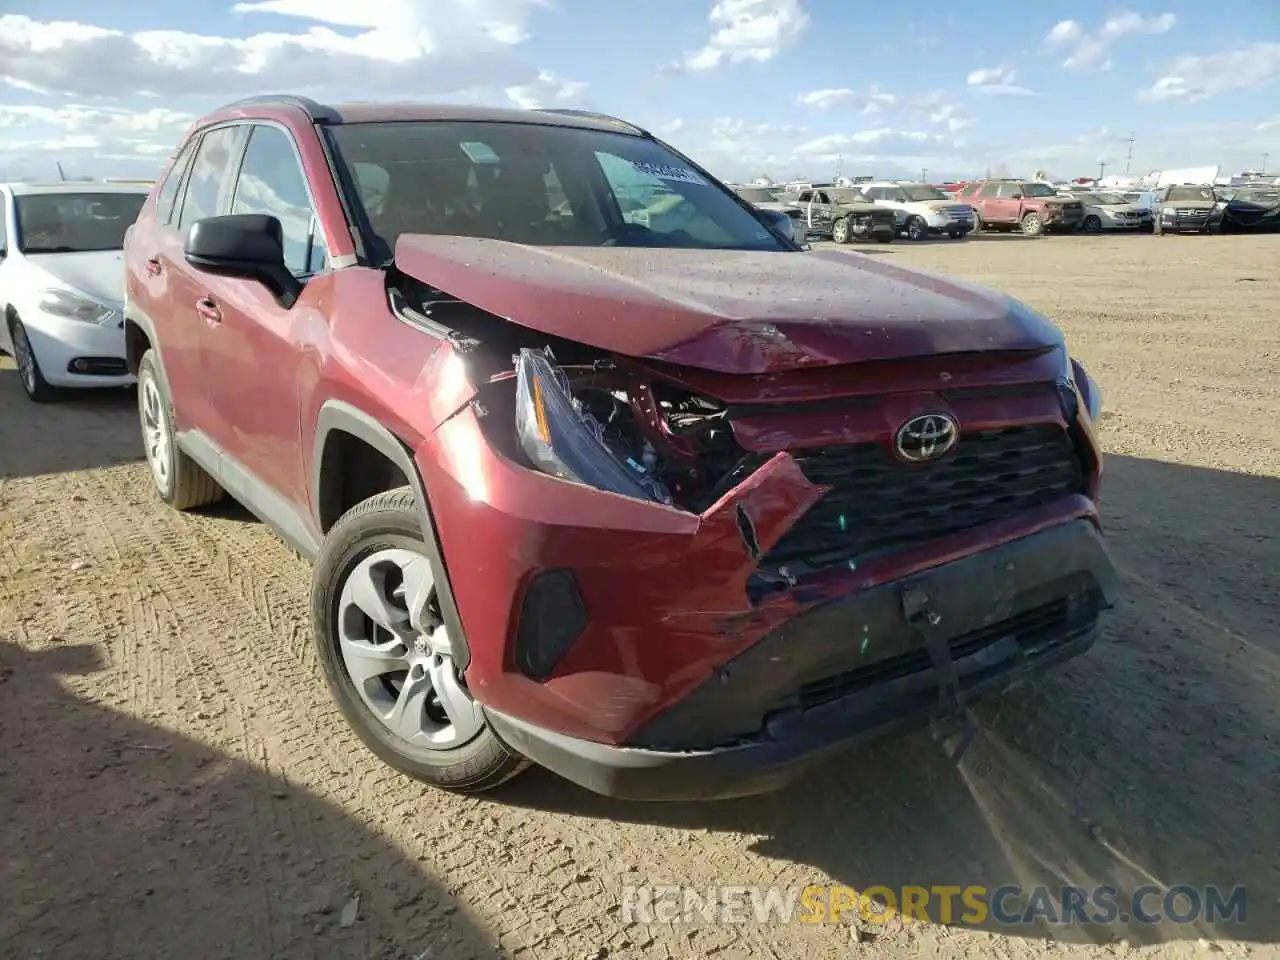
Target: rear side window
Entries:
(272, 182)
(989, 190)
(210, 174)
(169, 189)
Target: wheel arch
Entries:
(342, 431)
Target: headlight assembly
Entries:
(75, 306)
(563, 440)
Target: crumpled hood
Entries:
(99, 273)
(731, 311)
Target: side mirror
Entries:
(780, 221)
(1015, 196)
(246, 245)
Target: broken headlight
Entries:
(562, 438)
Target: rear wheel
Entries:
(388, 656)
(1032, 225)
(840, 231)
(917, 229)
(977, 222)
(180, 481)
(34, 384)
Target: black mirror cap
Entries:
(243, 244)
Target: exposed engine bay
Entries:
(583, 415)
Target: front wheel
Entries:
(1032, 225)
(34, 384)
(387, 654)
(1092, 224)
(840, 231)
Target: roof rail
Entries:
(594, 115)
(318, 112)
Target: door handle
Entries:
(153, 266)
(208, 310)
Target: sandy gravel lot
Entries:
(175, 781)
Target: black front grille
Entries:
(879, 505)
(1031, 630)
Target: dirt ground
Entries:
(175, 781)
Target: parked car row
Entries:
(597, 467)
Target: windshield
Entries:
(1194, 194)
(1258, 196)
(916, 194)
(74, 222)
(758, 195)
(537, 185)
(1038, 190)
(1107, 199)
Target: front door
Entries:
(252, 347)
(182, 329)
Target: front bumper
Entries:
(72, 353)
(799, 696)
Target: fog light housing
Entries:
(552, 617)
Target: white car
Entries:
(925, 211)
(1110, 211)
(62, 282)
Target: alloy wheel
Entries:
(24, 358)
(155, 431)
(397, 652)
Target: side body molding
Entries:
(343, 417)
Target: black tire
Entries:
(956, 234)
(391, 520)
(917, 229)
(1092, 224)
(186, 485)
(977, 222)
(1032, 225)
(841, 231)
(883, 237)
(34, 385)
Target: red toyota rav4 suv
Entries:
(597, 467)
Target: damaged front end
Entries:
(656, 562)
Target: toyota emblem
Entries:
(926, 437)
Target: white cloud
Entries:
(755, 30)
(77, 116)
(1085, 48)
(1198, 78)
(547, 90)
(429, 47)
(671, 126)
(996, 80)
(870, 143)
(871, 101)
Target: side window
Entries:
(969, 190)
(820, 197)
(4, 223)
(989, 190)
(805, 196)
(1010, 190)
(210, 174)
(169, 189)
(272, 182)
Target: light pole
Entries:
(1102, 168)
(1265, 158)
(924, 174)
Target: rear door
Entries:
(206, 193)
(1002, 203)
(251, 351)
(146, 280)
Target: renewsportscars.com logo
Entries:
(1009, 905)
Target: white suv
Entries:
(928, 211)
(62, 280)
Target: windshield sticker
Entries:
(666, 172)
(479, 152)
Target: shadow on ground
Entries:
(104, 424)
(1151, 760)
(120, 839)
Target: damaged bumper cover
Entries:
(798, 695)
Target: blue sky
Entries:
(783, 87)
